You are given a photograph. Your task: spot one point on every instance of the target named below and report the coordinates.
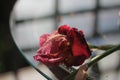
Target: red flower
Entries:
(67, 45)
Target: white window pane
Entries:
(109, 75)
(105, 65)
(74, 5)
(33, 8)
(108, 20)
(27, 34)
(109, 2)
(82, 21)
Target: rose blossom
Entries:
(66, 45)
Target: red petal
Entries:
(43, 38)
(49, 61)
(79, 45)
(64, 29)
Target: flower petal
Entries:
(43, 38)
(65, 45)
(79, 45)
(64, 29)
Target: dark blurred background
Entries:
(10, 58)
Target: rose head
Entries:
(66, 45)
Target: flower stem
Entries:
(102, 47)
(106, 53)
(94, 60)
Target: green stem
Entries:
(95, 59)
(106, 53)
(102, 47)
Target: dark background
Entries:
(10, 57)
